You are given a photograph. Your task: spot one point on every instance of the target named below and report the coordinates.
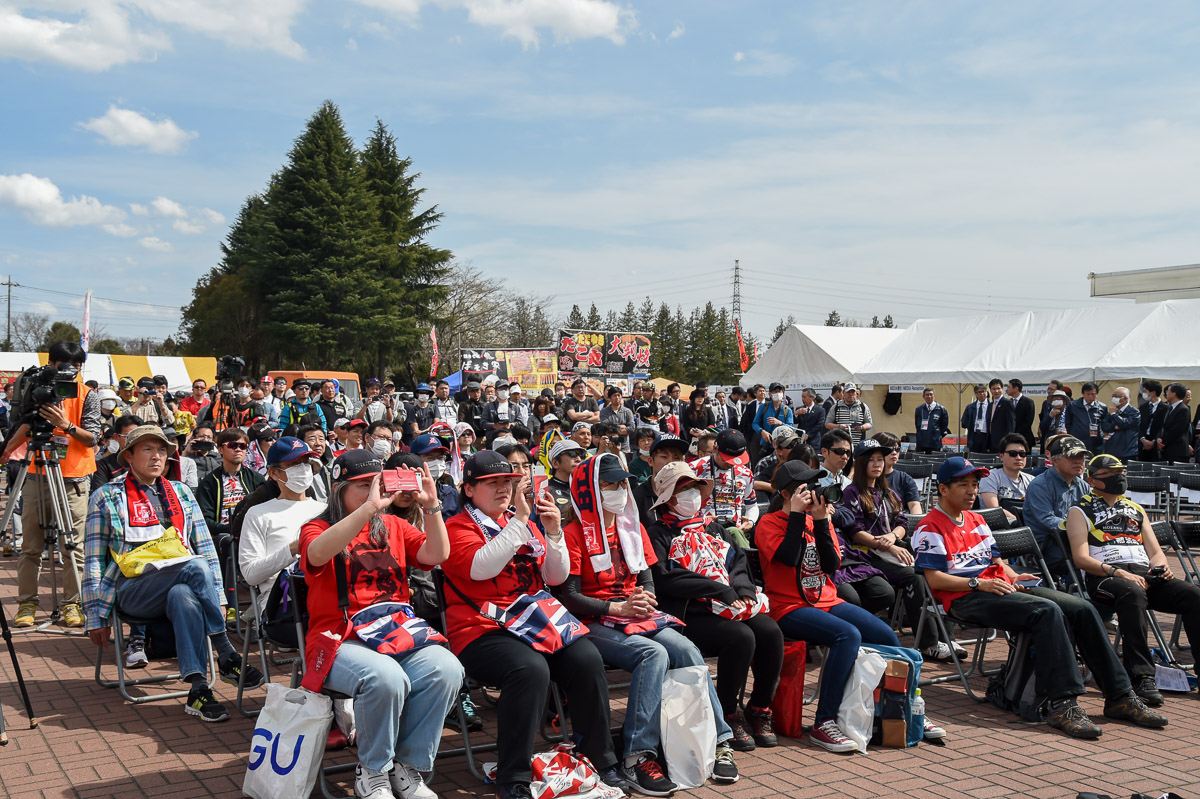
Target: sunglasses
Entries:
(301, 388)
(237, 445)
(1015, 453)
(845, 453)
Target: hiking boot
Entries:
(72, 615)
(933, 731)
(372, 784)
(646, 777)
(515, 790)
(1131, 708)
(829, 735)
(233, 667)
(759, 719)
(614, 777)
(25, 614)
(135, 654)
(742, 740)
(474, 723)
(725, 769)
(407, 783)
(1147, 690)
(1074, 722)
(202, 703)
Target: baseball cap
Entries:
(785, 436)
(288, 449)
(405, 460)
(581, 426)
(462, 428)
(141, 433)
(341, 422)
(868, 446)
(425, 444)
(300, 381)
(487, 465)
(1067, 447)
(373, 381)
(566, 445)
(126, 384)
(514, 388)
(791, 474)
(956, 467)
(474, 386)
(849, 387)
(548, 418)
(670, 440)
(611, 470)
(146, 382)
(357, 464)
(358, 423)
(1105, 461)
(423, 388)
(266, 380)
(776, 387)
(732, 446)
(668, 479)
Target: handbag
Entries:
(688, 727)
(788, 704)
(392, 628)
(167, 547)
(538, 619)
(288, 743)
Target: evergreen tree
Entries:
(834, 319)
(612, 321)
(875, 322)
(575, 320)
(594, 322)
(645, 315)
(887, 321)
(782, 327)
(628, 321)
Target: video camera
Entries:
(229, 369)
(43, 385)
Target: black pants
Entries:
(523, 677)
(1047, 615)
(1131, 602)
(873, 594)
(739, 647)
(904, 578)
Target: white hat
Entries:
(849, 387)
(566, 445)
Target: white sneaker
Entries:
(940, 652)
(371, 784)
(933, 731)
(407, 783)
(135, 654)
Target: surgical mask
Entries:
(108, 405)
(1116, 484)
(113, 447)
(644, 452)
(502, 394)
(1056, 403)
(1117, 400)
(436, 468)
(613, 499)
(777, 397)
(422, 400)
(687, 503)
(243, 393)
(299, 477)
(382, 449)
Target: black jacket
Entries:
(1025, 414)
(1151, 427)
(208, 496)
(1176, 434)
(679, 588)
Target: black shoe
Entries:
(761, 726)
(233, 667)
(614, 777)
(474, 723)
(1131, 708)
(725, 769)
(202, 703)
(515, 790)
(742, 740)
(646, 777)
(1147, 689)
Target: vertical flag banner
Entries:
(434, 365)
(85, 338)
(756, 352)
(745, 359)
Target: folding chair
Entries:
(1169, 537)
(1153, 493)
(255, 633)
(932, 612)
(921, 471)
(994, 518)
(755, 566)
(1187, 499)
(123, 683)
(1142, 467)
(1018, 545)
(912, 523)
(1017, 508)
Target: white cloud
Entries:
(139, 210)
(41, 202)
(161, 206)
(125, 128)
(257, 25)
(119, 229)
(763, 64)
(190, 228)
(155, 243)
(351, 45)
(44, 308)
(210, 216)
(739, 56)
(676, 32)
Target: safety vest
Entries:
(76, 459)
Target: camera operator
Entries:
(376, 407)
(76, 422)
(149, 406)
(202, 450)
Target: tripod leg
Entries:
(6, 633)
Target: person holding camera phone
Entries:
(202, 450)
(1125, 569)
(149, 406)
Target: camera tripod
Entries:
(46, 459)
(12, 653)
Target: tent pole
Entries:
(958, 422)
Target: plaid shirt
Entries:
(107, 516)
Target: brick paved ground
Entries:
(92, 745)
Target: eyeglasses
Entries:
(1015, 453)
(387, 438)
(237, 445)
(301, 388)
(845, 453)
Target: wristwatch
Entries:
(435, 509)
(973, 583)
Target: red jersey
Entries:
(618, 582)
(190, 405)
(376, 574)
(521, 575)
(783, 588)
(960, 550)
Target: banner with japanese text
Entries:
(533, 369)
(596, 352)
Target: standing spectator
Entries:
(1024, 410)
(850, 415)
(616, 412)
(975, 420)
(542, 417)
(1010, 482)
(275, 401)
(723, 415)
(696, 417)
(932, 422)
(1175, 441)
(470, 410)
(111, 466)
(126, 392)
(300, 409)
(835, 395)
(374, 408)
(754, 402)
(1051, 387)
(202, 449)
(1055, 421)
(150, 406)
(810, 418)
(444, 404)
(1051, 495)
(1121, 425)
(1085, 416)
(327, 402)
(771, 415)
(420, 420)
(1003, 419)
(579, 407)
(198, 399)
(1152, 411)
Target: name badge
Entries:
(924, 424)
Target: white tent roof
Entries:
(814, 354)
(1075, 344)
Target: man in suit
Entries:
(1122, 424)
(746, 423)
(1152, 412)
(1051, 387)
(1085, 417)
(1024, 410)
(835, 394)
(932, 422)
(975, 419)
(1175, 441)
(1002, 416)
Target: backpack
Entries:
(1015, 687)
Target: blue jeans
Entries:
(187, 595)
(400, 701)
(842, 628)
(647, 658)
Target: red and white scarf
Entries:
(143, 523)
(585, 497)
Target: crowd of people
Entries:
(578, 529)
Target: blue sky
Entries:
(917, 159)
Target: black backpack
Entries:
(1015, 687)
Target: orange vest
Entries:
(79, 460)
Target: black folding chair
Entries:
(755, 564)
(1018, 545)
(912, 523)
(1156, 489)
(932, 613)
(1187, 482)
(994, 518)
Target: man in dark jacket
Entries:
(932, 422)
(471, 409)
(1152, 412)
(1085, 417)
(1024, 410)
(1175, 441)
(975, 420)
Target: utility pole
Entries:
(8, 324)
(737, 292)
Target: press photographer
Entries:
(223, 412)
(53, 403)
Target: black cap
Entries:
(670, 440)
(548, 393)
(791, 474)
(146, 382)
(356, 465)
(732, 446)
(486, 464)
(405, 459)
(611, 470)
(776, 386)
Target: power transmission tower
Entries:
(737, 292)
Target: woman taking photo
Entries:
(408, 692)
(499, 564)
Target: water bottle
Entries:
(918, 711)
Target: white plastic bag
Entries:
(343, 715)
(856, 714)
(688, 726)
(288, 743)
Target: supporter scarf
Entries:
(456, 461)
(143, 521)
(585, 498)
(697, 551)
(492, 528)
(551, 437)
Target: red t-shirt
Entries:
(820, 592)
(190, 405)
(376, 574)
(521, 575)
(617, 582)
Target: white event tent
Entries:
(816, 355)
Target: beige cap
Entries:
(669, 477)
(140, 434)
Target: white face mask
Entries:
(382, 449)
(243, 392)
(299, 477)
(776, 397)
(687, 503)
(1117, 400)
(502, 394)
(644, 452)
(422, 400)
(113, 447)
(108, 405)
(613, 499)
(1056, 403)
(436, 468)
